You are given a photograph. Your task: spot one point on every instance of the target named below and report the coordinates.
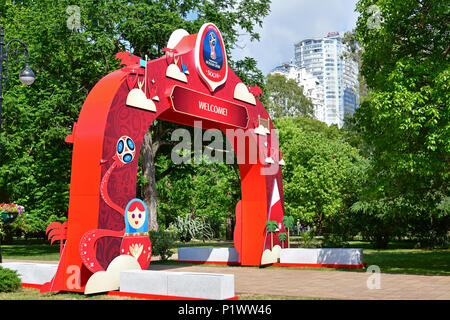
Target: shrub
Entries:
(307, 239)
(9, 280)
(163, 243)
(334, 241)
(196, 228)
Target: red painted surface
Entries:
(105, 117)
(205, 106)
(31, 285)
(206, 52)
(237, 236)
(135, 295)
(338, 266)
(210, 262)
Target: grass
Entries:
(35, 294)
(272, 297)
(32, 249)
(411, 261)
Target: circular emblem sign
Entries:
(210, 56)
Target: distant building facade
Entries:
(312, 88)
(325, 59)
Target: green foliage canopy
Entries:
(286, 98)
(405, 118)
(34, 159)
(322, 175)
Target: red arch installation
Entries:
(192, 82)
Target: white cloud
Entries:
(291, 21)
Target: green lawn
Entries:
(35, 294)
(411, 261)
(31, 250)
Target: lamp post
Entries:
(26, 76)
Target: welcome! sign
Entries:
(210, 56)
(204, 106)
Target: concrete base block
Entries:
(144, 281)
(208, 254)
(178, 284)
(322, 256)
(201, 285)
(32, 273)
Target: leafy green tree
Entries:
(282, 236)
(322, 175)
(247, 70)
(271, 227)
(286, 98)
(205, 189)
(405, 118)
(288, 222)
(34, 160)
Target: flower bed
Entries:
(10, 211)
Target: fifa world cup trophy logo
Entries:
(212, 44)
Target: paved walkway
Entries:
(323, 284)
(327, 284)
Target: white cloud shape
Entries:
(241, 93)
(261, 130)
(271, 256)
(174, 72)
(136, 98)
(276, 251)
(176, 37)
(109, 280)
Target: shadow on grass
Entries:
(436, 262)
(31, 250)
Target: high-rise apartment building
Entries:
(337, 73)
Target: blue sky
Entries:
(291, 21)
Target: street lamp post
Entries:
(26, 76)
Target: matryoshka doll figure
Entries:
(135, 241)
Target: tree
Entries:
(34, 159)
(229, 16)
(286, 98)
(271, 227)
(322, 175)
(247, 70)
(57, 231)
(354, 53)
(405, 118)
(288, 222)
(282, 236)
(68, 62)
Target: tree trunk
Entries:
(229, 230)
(149, 189)
(271, 241)
(288, 240)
